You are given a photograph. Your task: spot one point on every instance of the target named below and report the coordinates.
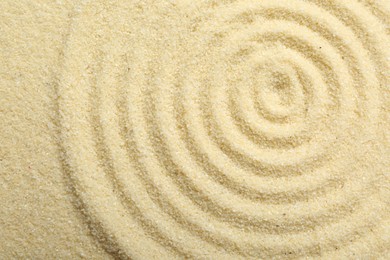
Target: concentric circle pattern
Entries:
(229, 129)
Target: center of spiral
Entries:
(278, 91)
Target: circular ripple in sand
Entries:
(228, 130)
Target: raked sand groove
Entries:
(229, 129)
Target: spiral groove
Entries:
(233, 129)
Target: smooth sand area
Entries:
(229, 129)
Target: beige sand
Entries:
(195, 129)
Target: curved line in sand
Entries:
(158, 145)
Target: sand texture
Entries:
(213, 129)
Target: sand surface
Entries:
(208, 129)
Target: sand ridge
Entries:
(229, 129)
